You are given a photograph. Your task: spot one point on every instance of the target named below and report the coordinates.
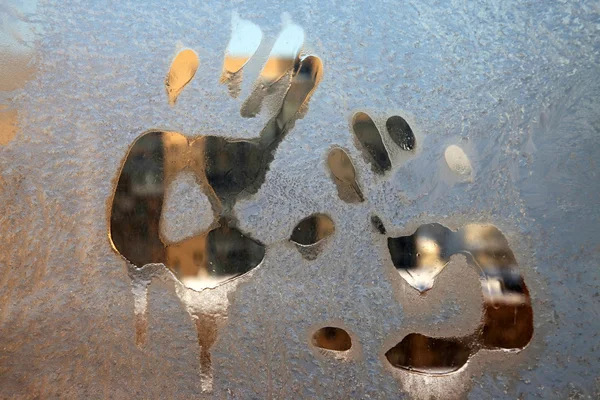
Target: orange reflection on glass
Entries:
(182, 70)
(245, 40)
(8, 124)
(17, 66)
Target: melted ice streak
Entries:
(207, 308)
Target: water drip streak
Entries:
(139, 288)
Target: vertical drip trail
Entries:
(207, 323)
(139, 288)
(225, 169)
(206, 327)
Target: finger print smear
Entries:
(344, 174)
(182, 71)
(283, 59)
(207, 264)
(246, 37)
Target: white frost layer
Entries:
(186, 210)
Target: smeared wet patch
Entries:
(205, 260)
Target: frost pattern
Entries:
(516, 83)
(186, 211)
